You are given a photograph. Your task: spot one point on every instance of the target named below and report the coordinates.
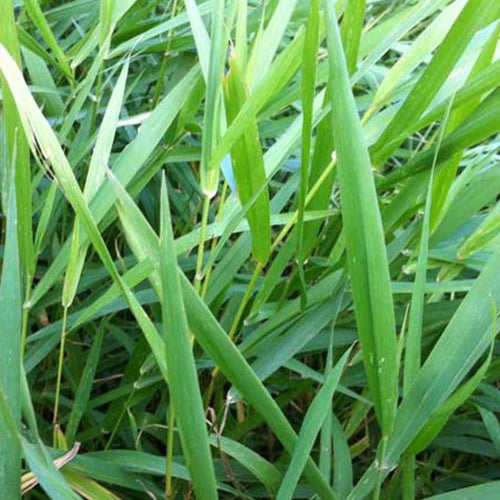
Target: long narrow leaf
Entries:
(10, 347)
(248, 164)
(368, 265)
(214, 340)
(183, 380)
(310, 428)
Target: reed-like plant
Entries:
(249, 249)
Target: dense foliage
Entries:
(249, 249)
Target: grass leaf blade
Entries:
(183, 378)
(368, 266)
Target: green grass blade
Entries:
(45, 218)
(45, 144)
(413, 342)
(439, 418)
(479, 126)
(129, 161)
(248, 164)
(200, 35)
(104, 142)
(364, 235)
(467, 336)
(86, 487)
(215, 342)
(10, 347)
(241, 32)
(280, 73)
(179, 21)
(270, 40)
(95, 177)
(351, 29)
(484, 234)
(307, 89)
(322, 157)
(426, 42)
(183, 378)
(17, 148)
(478, 86)
(263, 470)
(342, 463)
(84, 389)
(474, 16)
(308, 85)
(106, 11)
(40, 75)
(376, 42)
(486, 491)
(150, 133)
(212, 117)
(492, 426)
(35, 12)
(446, 175)
(311, 426)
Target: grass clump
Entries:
(249, 249)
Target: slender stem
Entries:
(257, 271)
(211, 387)
(191, 219)
(408, 479)
(198, 277)
(55, 418)
(170, 452)
(246, 298)
(234, 326)
(310, 196)
(164, 62)
(122, 412)
(208, 272)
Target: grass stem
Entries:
(55, 418)
(198, 277)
